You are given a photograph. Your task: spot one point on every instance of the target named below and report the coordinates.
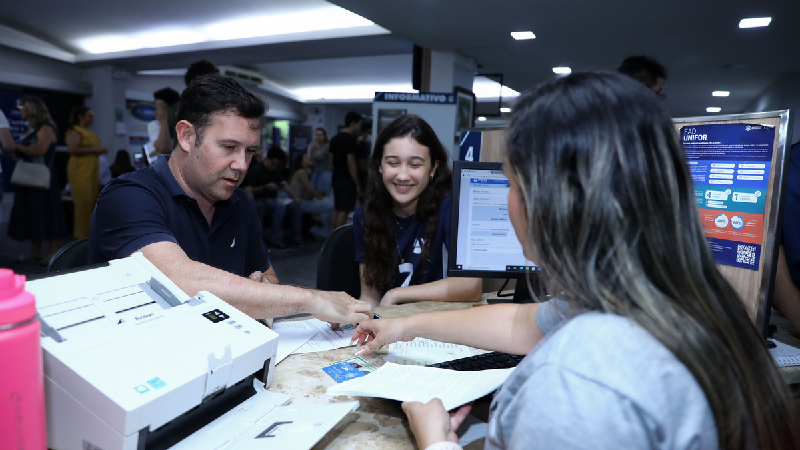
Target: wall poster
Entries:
(730, 166)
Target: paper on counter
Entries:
(306, 336)
(422, 352)
(416, 383)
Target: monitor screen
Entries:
(485, 243)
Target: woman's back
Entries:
(601, 379)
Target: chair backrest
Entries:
(337, 269)
(73, 255)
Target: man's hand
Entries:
(338, 307)
(430, 423)
(374, 334)
(261, 277)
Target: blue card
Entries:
(342, 371)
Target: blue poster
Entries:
(470, 148)
(730, 166)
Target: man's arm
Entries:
(255, 298)
(351, 167)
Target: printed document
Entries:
(416, 383)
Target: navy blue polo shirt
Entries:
(149, 206)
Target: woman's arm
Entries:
(368, 293)
(44, 139)
(73, 139)
(508, 327)
(445, 290)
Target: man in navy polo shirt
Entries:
(188, 217)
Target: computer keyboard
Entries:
(491, 360)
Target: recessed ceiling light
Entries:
(481, 119)
(713, 109)
(505, 110)
(562, 70)
(523, 35)
(721, 93)
(754, 22)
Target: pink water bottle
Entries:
(22, 424)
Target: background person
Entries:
(122, 164)
(37, 214)
(403, 228)
(649, 345)
(321, 160)
(164, 99)
(346, 187)
(312, 201)
(83, 168)
(646, 70)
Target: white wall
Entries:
(29, 70)
(329, 117)
(784, 93)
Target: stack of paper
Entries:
(422, 352)
(785, 355)
(416, 383)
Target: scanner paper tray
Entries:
(268, 421)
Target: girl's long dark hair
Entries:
(613, 222)
(378, 220)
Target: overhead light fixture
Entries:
(721, 93)
(505, 110)
(713, 109)
(324, 19)
(348, 93)
(481, 119)
(484, 87)
(562, 70)
(755, 22)
(523, 35)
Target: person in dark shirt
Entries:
(187, 215)
(263, 182)
(346, 186)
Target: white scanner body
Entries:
(127, 355)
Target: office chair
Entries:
(75, 254)
(337, 269)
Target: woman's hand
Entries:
(430, 423)
(374, 334)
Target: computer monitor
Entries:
(486, 245)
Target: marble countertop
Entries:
(377, 423)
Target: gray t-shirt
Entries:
(599, 381)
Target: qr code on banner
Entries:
(746, 254)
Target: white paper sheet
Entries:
(421, 352)
(306, 336)
(415, 383)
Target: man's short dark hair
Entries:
(643, 68)
(208, 94)
(167, 95)
(275, 152)
(351, 118)
(202, 67)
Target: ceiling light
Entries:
(523, 35)
(484, 87)
(721, 93)
(505, 110)
(481, 119)
(562, 70)
(754, 22)
(713, 109)
(317, 20)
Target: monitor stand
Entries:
(521, 292)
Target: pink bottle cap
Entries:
(16, 305)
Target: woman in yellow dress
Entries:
(83, 169)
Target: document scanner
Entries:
(133, 363)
